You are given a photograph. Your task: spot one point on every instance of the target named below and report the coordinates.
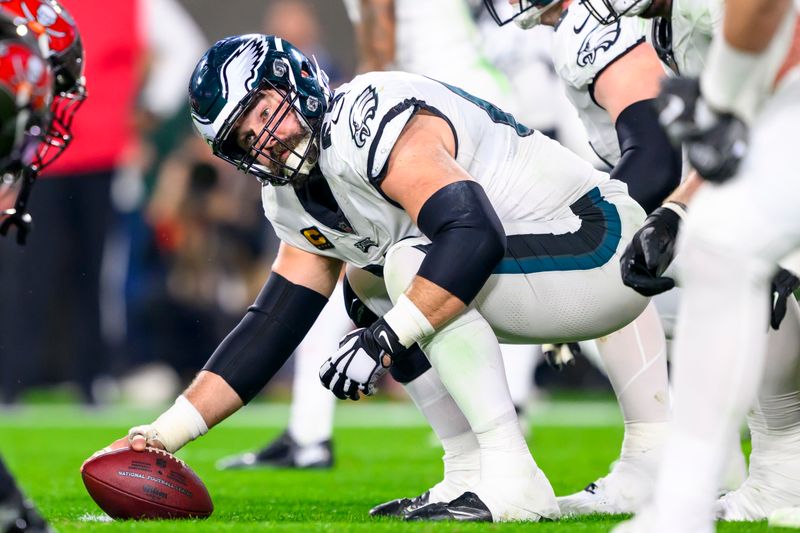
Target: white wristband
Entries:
(407, 321)
(180, 424)
(676, 208)
(727, 82)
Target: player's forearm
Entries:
(686, 190)
(438, 305)
(213, 398)
(750, 24)
(377, 36)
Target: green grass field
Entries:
(383, 451)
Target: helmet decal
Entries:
(245, 64)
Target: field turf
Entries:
(574, 442)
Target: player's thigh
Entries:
(559, 306)
(756, 214)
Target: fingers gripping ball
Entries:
(145, 485)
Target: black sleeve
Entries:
(267, 335)
(649, 164)
(467, 239)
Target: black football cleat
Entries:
(18, 515)
(401, 506)
(466, 508)
(283, 452)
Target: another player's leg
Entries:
(466, 356)
(16, 513)
(519, 361)
(732, 241)
(635, 361)
(774, 480)
(366, 298)
(307, 442)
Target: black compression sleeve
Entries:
(649, 164)
(467, 239)
(267, 335)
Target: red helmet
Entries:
(26, 94)
(53, 25)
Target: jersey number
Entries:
(497, 115)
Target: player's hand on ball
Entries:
(364, 355)
(650, 252)
(715, 141)
(135, 440)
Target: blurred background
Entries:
(146, 250)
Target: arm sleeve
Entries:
(649, 164)
(267, 335)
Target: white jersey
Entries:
(582, 49)
(527, 176)
(440, 39)
(693, 25)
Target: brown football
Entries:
(145, 485)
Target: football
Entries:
(145, 485)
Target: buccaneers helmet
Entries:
(51, 23)
(26, 92)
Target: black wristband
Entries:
(267, 335)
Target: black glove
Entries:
(23, 221)
(783, 285)
(364, 355)
(715, 141)
(561, 354)
(18, 215)
(650, 252)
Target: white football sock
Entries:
(717, 366)
(774, 480)
(519, 361)
(466, 355)
(635, 360)
(311, 412)
(461, 458)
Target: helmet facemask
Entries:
(605, 11)
(525, 13)
(270, 158)
(59, 135)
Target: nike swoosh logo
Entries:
(382, 334)
(579, 29)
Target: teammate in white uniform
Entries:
(612, 75)
(711, 361)
(406, 177)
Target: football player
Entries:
(750, 501)
(612, 75)
(774, 423)
(51, 22)
(26, 93)
(458, 226)
(398, 35)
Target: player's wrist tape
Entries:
(179, 425)
(676, 207)
(727, 82)
(408, 322)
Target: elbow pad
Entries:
(267, 335)
(467, 239)
(649, 164)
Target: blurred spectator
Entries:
(297, 22)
